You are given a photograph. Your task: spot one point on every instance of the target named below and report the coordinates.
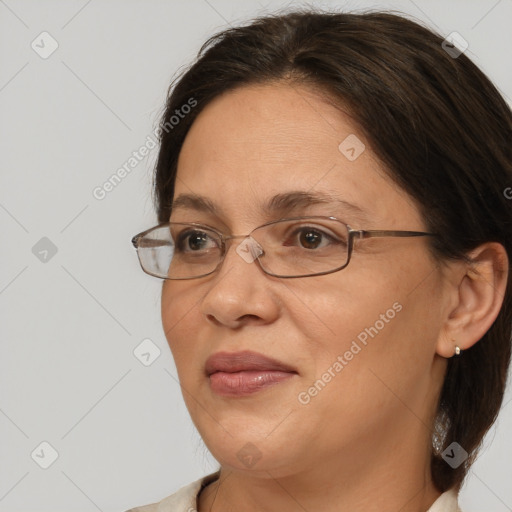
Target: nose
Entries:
(239, 292)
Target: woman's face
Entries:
(361, 341)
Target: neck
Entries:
(374, 481)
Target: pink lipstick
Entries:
(244, 373)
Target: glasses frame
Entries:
(360, 234)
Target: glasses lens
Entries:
(295, 247)
(179, 251)
(302, 247)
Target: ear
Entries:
(475, 296)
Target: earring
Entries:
(457, 349)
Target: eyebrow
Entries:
(284, 203)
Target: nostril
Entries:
(212, 319)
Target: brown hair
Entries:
(437, 123)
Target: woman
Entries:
(352, 352)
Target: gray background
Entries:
(70, 321)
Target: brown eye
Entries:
(310, 238)
(197, 241)
(194, 240)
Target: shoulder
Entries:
(447, 502)
(183, 500)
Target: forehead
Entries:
(268, 124)
(259, 141)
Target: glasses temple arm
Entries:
(139, 241)
(374, 233)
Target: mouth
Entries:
(244, 373)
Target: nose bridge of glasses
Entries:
(248, 249)
(230, 237)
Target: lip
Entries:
(244, 373)
(231, 362)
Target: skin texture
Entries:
(363, 442)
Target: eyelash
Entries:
(184, 236)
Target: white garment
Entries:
(185, 499)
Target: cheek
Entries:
(179, 319)
(332, 312)
(358, 369)
(371, 320)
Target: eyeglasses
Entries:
(293, 247)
